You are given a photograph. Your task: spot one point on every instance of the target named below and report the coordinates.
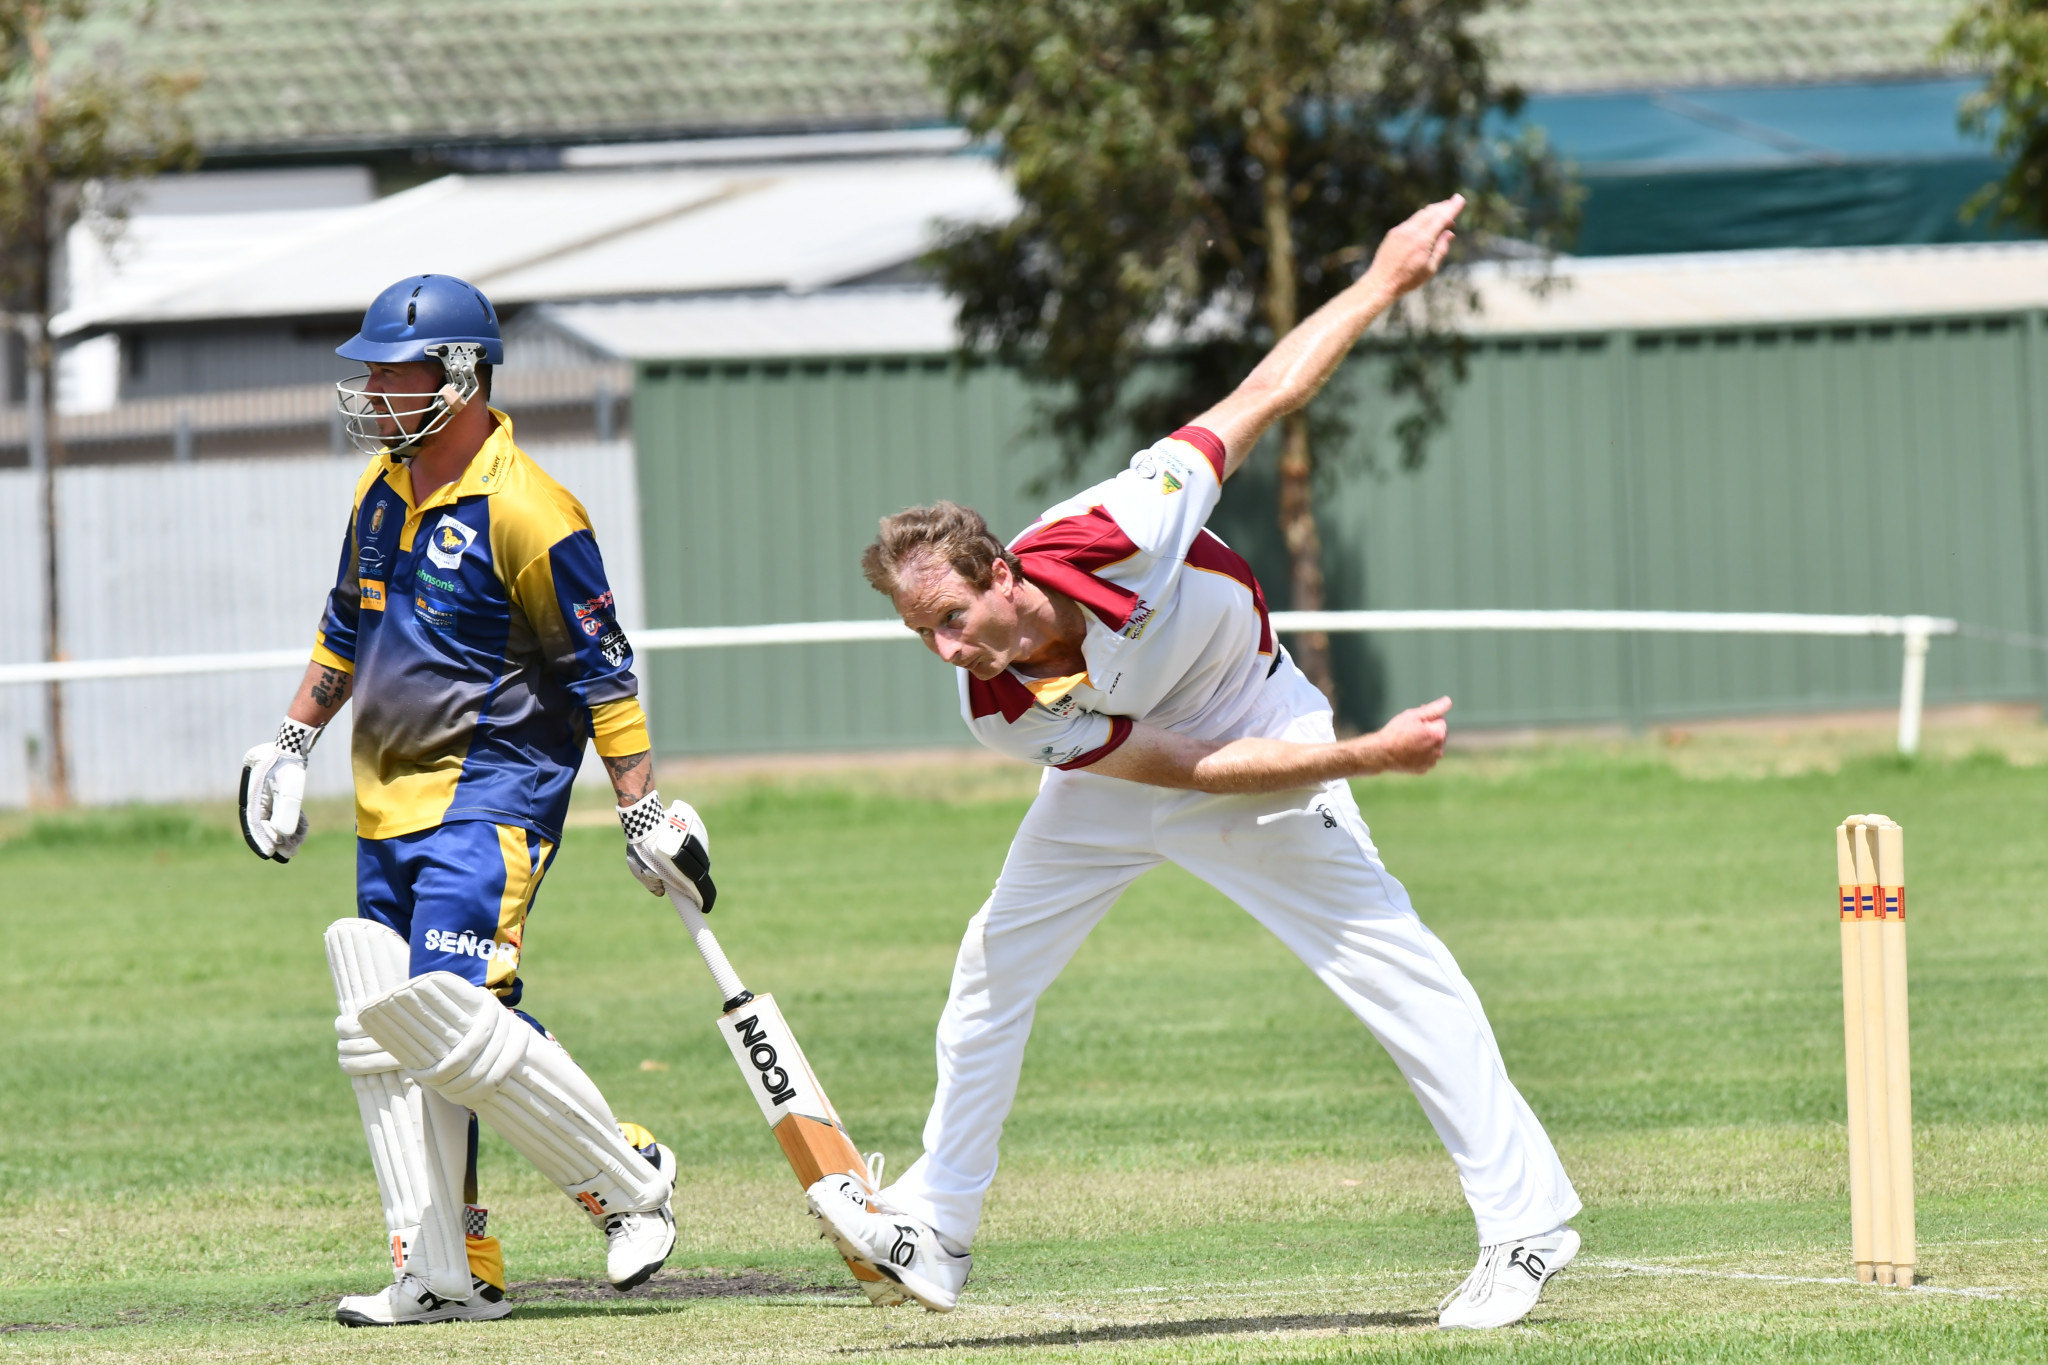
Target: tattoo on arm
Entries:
(632, 775)
(331, 688)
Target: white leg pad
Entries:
(459, 1041)
(419, 1142)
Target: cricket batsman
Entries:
(1127, 649)
(471, 623)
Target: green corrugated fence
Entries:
(1887, 467)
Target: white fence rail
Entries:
(1915, 631)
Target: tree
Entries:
(2011, 38)
(1208, 172)
(71, 118)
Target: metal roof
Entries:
(904, 320)
(551, 236)
(1615, 293)
(1747, 288)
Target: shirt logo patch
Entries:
(614, 647)
(377, 519)
(1141, 616)
(373, 595)
(432, 615)
(1170, 485)
(593, 616)
(447, 541)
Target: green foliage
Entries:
(73, 116)
(132, 827)
(2010, 37)
(1144, 137)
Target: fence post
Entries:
(1912, 685)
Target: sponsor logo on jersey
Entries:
(370, 562)
(377, 518)
(1063, 705)
(443, 584)
(761, 1053)
(1141, 616)
(593, 616)
(1170, 484)
(447, 541)
(612, 644)
(440, 618)
(467, 944)
(372, 595)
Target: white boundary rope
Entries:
(1916, 631)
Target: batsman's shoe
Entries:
(637, 1244)
(895, 1245)
(409, 1302)
(1506, 1283)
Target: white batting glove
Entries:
(274, 790)
(669, 850)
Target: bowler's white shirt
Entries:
(1178, 635)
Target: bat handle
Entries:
(722, 973)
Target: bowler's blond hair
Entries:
(945, 532)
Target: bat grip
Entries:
(729, 988)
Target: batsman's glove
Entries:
(669, 850)
(273, 789)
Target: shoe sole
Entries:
(1550, 1272)
(921, 1290)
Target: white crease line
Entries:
(1970, 1292)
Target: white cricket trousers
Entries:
(1315, 880)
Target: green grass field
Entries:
(1209, 1160)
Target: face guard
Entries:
(397, 424)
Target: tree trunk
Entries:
(45, 451)
(1304, 549)
(42, 458)
(1281, 302)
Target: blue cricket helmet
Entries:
(421, 311)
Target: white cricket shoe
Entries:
(637, 1244)
(895, 1245)
(409, 1302)
(1510, 1276)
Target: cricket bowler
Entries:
(1127, 649)
(472, 625)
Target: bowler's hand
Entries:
(1413, 741)
(1413, 252)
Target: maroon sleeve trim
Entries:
(1002, 695)
(1204, 440)
(1119, 731)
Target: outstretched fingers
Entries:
(1415, 251)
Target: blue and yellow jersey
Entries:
(484, 643)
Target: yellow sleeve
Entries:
(327, 658)
(619, 728)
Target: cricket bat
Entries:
(781, 1081)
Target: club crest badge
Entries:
(447, 542)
